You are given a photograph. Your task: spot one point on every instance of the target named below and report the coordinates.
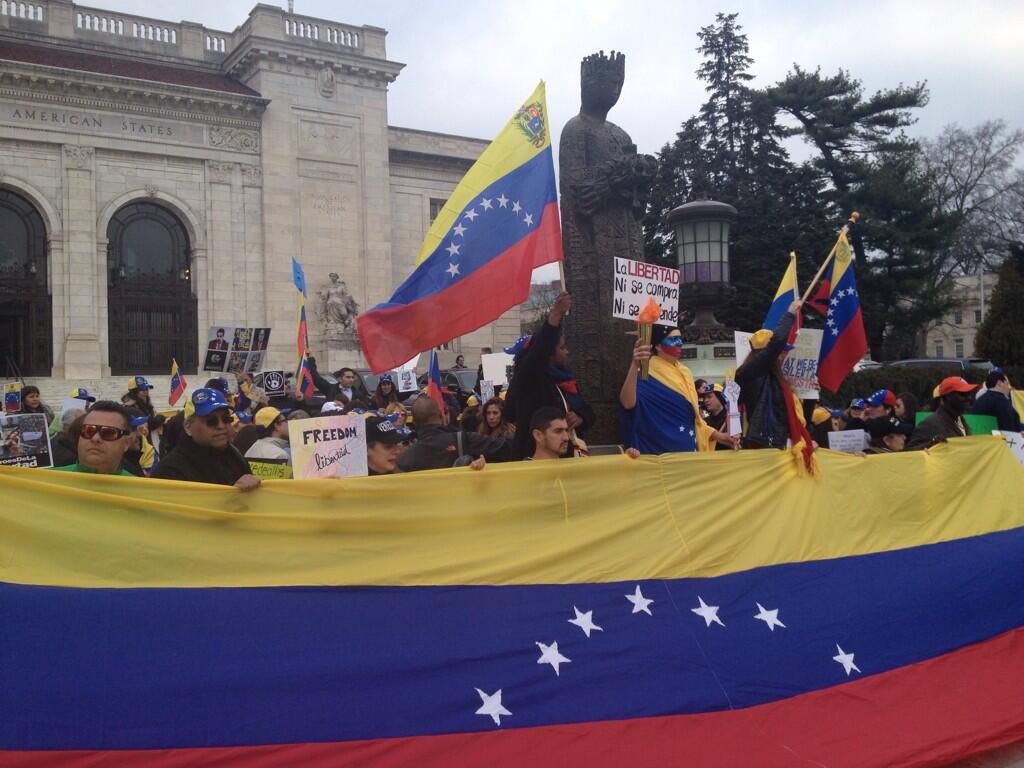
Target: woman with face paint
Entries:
(662, 414)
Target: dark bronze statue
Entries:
(605, 186)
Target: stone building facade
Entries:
(157, 178)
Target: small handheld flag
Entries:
(434, 383)
(178, 384)
(479, 254)
(784, 296)
(303, 373)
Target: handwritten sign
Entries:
(486, 390)
(24, 441)
(271, 469)
(800, 366)
(328, 446)
(848, 441)
(1015, 442)
(637, 282)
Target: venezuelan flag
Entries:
(606, 612)
(844, 341)
(475, 263)
(784, 296)
(178, 384)
(434, 382)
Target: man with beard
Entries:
(956, 397)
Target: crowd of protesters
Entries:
(541, 415)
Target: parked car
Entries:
(460, 381)
(961, 363)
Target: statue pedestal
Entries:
(709, 351)
(343, 349)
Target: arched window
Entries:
(152, 313)
(26, 333)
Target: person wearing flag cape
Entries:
(661, 413)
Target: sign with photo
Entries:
(24, 441)
(272, 382)
(636, 283)
(328, 446)
(234, 348)
(405, 379)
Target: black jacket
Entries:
(63, 451)
(997, 404)
(198, 464)
(937, 428)
(436, 447)
(532, 388)
(761, 394)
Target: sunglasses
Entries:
(107, 434)
(214, 419)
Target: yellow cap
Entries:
(266, 416)
(820, 415)
(760, 339)
(472, 400)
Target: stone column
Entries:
(84, 268)
(225, 296)
(252, 216)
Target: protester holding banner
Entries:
(493, 423)
(272, 428)
(887, 436)
(541, 377)
(956, 397)
(550, 434)
(661, 414)
(103, 436)
(438, 447)
(383, 446)
(204, 453)
(995, 402)
(31, 402)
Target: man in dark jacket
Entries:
(996, 402)
(540, 378)
(955, 399)
(437, 446)
(761, 392)
(204, 453)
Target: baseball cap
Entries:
(836, 414)
(331, 407)
(882, 397)
(205, 401)
(138, 421)
(266, 416)
(81, 393)
(707, 389)
(858, 404)
(385, 377)
(952, 384)
(879, 428)
(380, 430)
(139, 382)
(820, 415)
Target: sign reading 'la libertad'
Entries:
(637, 282)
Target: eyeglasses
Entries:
(214, 419)
(107, 434)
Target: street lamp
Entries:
(702, 249)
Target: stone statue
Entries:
(605, 186)
(338, 309)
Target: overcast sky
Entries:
(470, 64)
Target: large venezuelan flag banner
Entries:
(697, 610)
(475, 263)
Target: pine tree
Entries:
(1001, 336)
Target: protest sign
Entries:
(848, 441)
(272, 383)
(742, 343)
(636, 283)
(486, 390)
(497, 366)
(24, 441)
(406, 379)
(1015, 442)
(245, 351)
(800, 366)
(12, 397)
(271, 469)
(732, 397)
(328, 446)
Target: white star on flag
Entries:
(503, 201)
(486, 204)
(453, 249)
(835, 332)
(459, 230)
(833, 301)
(585, 621)
(516, 207)
(471, 214)
(708, 612)
(846, 659)
(528, 219)
(771, 618)
(492, 706)
(640, 603)
(453, 269)
(549, 655)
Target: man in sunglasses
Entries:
(103, 436)
(204, 454)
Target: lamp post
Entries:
(702, 249)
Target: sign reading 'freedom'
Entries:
(637, 282)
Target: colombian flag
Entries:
(303, 375)
(178, 383)
(475, 263)
(784, 296)
(554, 614)
(844, 341)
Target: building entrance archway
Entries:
(26, 316)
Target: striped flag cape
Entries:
(558, 614)
(479, 254)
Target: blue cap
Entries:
(81, 393)
(858, 404)
(385, 377)
(521, 343)
(139, 382)
(881, 397)
(207, 400)
(138, 421)
(244, 416)
(837, 414)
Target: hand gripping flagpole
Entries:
(854, 218)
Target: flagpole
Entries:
(828, 259)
